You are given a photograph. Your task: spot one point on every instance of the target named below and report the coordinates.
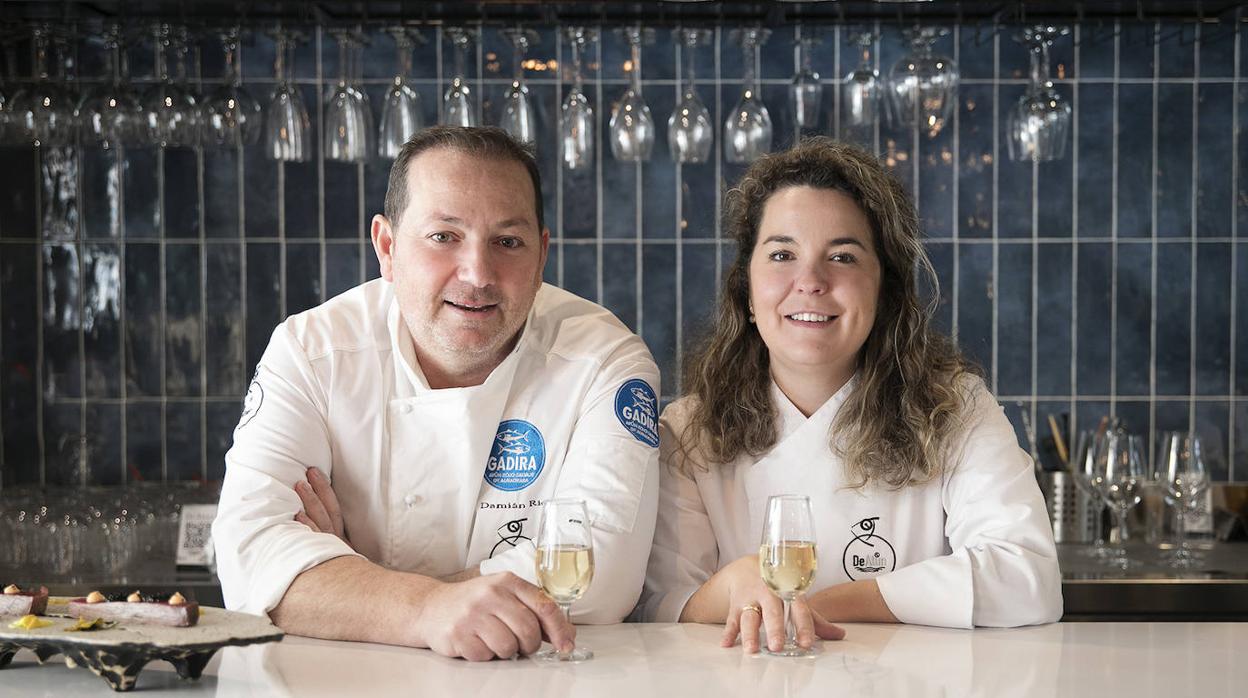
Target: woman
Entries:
(822, 376)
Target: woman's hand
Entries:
(751, 606)
(321, 512)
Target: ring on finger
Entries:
(752, 607)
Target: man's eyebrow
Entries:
(517, 222)
(835, 242)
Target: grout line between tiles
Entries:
(1152, 263)
(1235, 136)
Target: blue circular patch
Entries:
(638, 410)
(517, 457)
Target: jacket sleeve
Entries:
(1002, 571)
(615, 470)
(685, 553)
(260, 548)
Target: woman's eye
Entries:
(844, 257)
(780, 256)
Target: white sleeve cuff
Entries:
(666, 608)
(284, 560)
(938, 592)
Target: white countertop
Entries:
(1167, 660)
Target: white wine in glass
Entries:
(787, 560)
(565, 563)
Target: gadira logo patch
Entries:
(638, 410)
(868, 554)
(517, 457)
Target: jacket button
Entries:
(411, 500)
(407, 409)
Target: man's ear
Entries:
(383, 244)
(545, 249)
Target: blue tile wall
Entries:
(138, 289)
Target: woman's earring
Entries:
(751, 313)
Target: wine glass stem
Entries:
(689, 56)
(790, 631)
(566, 608)
(1121, 516)
(1180, 530)
(636, 73)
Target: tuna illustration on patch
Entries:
(868, 554)
(637, 408)
(517, 456)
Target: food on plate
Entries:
(16, 601)
(176, 611)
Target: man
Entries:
(445, 402)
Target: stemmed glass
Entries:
(45, 112)
(632, 128)
(1181, 471)
(747, 132)
(457, 106)
(401, 115)
(805, 92)
(110, 114)
(287, 128)
(517, 118)
(689, 131)
(1039, 122)
(862, 85)
(787, 559)
(348, 117)
(1120, 473)
(171, 113)
(7, 85)
(231, 116)
(576, 122)
(1083, 469)
(565, 563)
(923, 88)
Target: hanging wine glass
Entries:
(348, 117)
(805, 92)
(576, 116)
(862, 85)
(231, 116)
(689, 131)
(518, 118)
(923, 88)
(45, 112)
(632, 127)
(108, 113)
(747, 132)
(1039, 122)
(171, 113)
(401, 115)
(458, 108)
(287, 128)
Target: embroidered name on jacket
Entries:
(638, 410)
(517, 456)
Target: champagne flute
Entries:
(565, 563)
(632, 128)
(787, 560)
(518, 118)
(689, 131)
(1182, 473)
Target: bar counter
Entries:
(1065, 659)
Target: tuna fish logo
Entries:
(517, 456)
(642, 400)
(512, 441)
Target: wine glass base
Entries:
(552, 656)
(793, 651)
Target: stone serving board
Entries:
(119, 653)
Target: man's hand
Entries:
(499, 615)
(321, 512)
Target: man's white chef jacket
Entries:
(972, 547)
(437, 481)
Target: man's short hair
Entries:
(485, 142)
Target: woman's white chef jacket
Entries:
(972, 547)
(436, 481)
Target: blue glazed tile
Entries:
(728, 257)
(1213, 185)
(1177, 49)
(1015, 57)
(211, 58)
(1217, 50)
(302, 212)
(619, 282)
(264, 311)
(976, 162)
(1213, 420)
(775, 58)
(1239, 466)
(142, 192)
(183, 342)
(141, 58)
(1062, 56)
(101, 322)
(698, 287)
(1055, 193)
(941, 256)
(1135, 161)
(1094, 175)
(1135, 49)
(1133, 306)
(342, 268)
(975, 290)
(1174, 321)
(658, 186)
(302, 65)
(1014, 338)
(183, 442)
(256, 55)
(379, 57)
(1096, 49)
(376, 182)
(1095, 270)
(699, 211)
(101, 194)
(143, 443)
(1134, 413)
(619, 199)
(975, 50)
(546, 107)
(105, 459)
(62, 444)
(580, 270)
(1173, 414)
(1213, 318)
(1014, 197)
(1241, 320)
(1054, 305)
(935, 204)
(143, 331)
(18, 387)
(783, 131)
(260, 199)
(658, 309)
(303, 277)
(1014, 411)
(1174, 161)
(224, 321)
(1060, 411)
(62, 319)
(662, 102)
(341, 200)
(181, 205)
(221, 203)
(897, 153)
(221, 418)
(1089, 415)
